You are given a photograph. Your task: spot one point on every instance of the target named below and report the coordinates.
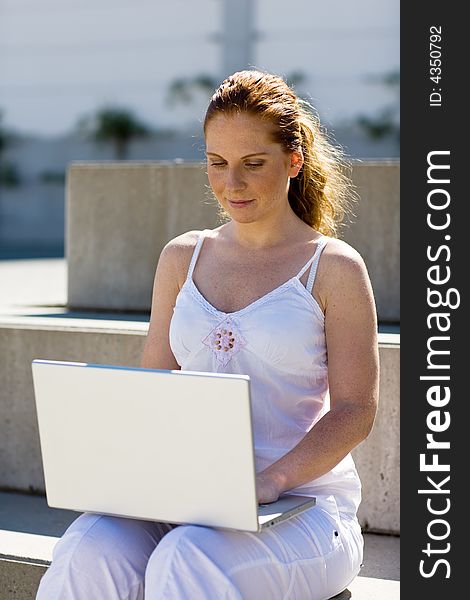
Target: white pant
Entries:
(312, 556)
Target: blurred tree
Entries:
(295, 78)
(53, 177)
(182, 90)
(9, 175)
(117, 126)
(3, 135)
(385, 123)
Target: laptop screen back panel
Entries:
(149, 444)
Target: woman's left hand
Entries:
(266, 489)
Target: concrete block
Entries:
(22, 340)
(375, 231)
(19, 580)
(121, 343)
(378, 457)
(120, 215)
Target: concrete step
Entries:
(119, 340)
(36, 323)
(29, 530)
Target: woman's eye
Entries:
(251, 165)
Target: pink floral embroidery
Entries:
(224, 341)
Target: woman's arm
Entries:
(169, 275)
(353, 373)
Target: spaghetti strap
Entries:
(313, 262)
(197, 249)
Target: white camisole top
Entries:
(279, 342)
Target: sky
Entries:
(60, 60)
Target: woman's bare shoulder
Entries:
(340, 253)
(182, 243)
(340, 264)
(178, 252)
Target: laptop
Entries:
(174, 446)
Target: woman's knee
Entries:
(105, 554)
(105, 540)
(187, 562)
(188, 539)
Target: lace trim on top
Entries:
(313, 261)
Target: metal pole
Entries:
(237, 35)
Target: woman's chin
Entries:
(240, 215)
(241, 218)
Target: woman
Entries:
(271, 293)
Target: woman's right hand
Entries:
(266, 489)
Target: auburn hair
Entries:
(322, 193)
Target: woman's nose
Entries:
(235, 180)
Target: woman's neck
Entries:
(264, 235)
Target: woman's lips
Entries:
(239, 203)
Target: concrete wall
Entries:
(32, 214)
(24, 338)
(378, 457)
(375, 231)
(120, 215)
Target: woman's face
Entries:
(248, 172)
